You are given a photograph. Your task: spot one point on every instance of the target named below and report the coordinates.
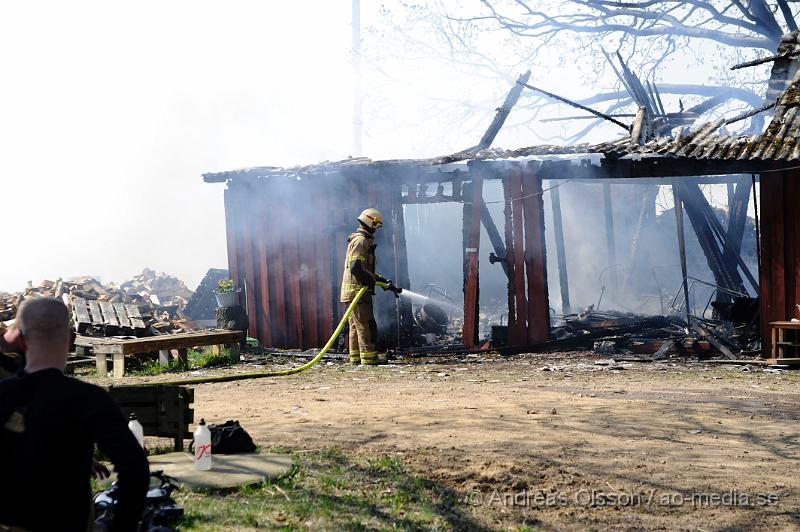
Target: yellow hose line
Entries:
(259, 374)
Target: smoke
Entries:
(644, 277)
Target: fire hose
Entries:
(298, 369)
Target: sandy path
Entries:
(579, 431)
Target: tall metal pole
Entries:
(563, 279)
(357, 89)
(681, 246)
(610, 243)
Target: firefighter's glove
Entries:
(389, 285)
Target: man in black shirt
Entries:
(49, 424)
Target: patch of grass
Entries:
(154, 367)
(332, 490)
(204, 358)
(196, 358)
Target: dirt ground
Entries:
(553, 441)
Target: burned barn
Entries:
(286, 227)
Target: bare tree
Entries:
(740, 23)
(499, 38)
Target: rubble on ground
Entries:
(611, 332)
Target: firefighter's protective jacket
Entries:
(360, 247)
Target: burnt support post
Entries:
(535, 257)
(472, 242)
(681, 247)
(509, 238)
(563, 279)
(405, 324)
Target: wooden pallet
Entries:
(118, 348)
(107, 318)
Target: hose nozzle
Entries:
(389, 285)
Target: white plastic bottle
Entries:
(136, 428)
(202, 447)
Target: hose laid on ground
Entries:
(259, 374)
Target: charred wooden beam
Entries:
(502, 113)
(725, 276)
(472, 241)
(510, 261)
(494, 236)
(721, 235)
(737, 218)
(577, 105)
(406, 322)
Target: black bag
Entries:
(229, 438)
(160, 509)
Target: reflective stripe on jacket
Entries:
(360, 246)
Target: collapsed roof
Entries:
(778, 145)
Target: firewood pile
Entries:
(160, 290)
(160, 298)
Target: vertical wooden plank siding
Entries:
(263, 299)
(535, 258)
(777, 237)
(780, 244)
(275, 263)
(322, 260)
(791, 263)
(766, 282)
(292, 275)
(246, 210)
(339, 242)
(307, 240)
(472, 235)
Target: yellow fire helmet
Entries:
(372, 218)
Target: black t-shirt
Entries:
(49, 424)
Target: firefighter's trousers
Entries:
(363, 332)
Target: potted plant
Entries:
(226, 293)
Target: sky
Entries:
(110, 112)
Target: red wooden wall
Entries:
(780, 249)
(286, 244)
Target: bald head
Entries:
(44, 323)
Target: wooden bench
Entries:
(785, 343)
(118, 348)
(163, 410)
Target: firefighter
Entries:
(359, 271)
